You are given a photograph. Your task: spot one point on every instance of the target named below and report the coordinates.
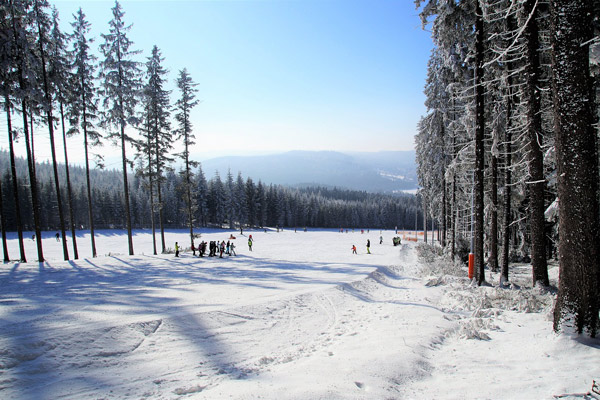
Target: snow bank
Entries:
(502, 344)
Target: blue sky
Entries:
(277, 75)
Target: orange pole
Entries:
(471, 265)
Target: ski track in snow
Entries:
(300, 317)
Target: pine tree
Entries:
(145, 155)
(230, 201)
(184, 132)
(159, 127)
(241, 202)
(44, 26)
(60, 77)
(202, 196)
(7, 88)
(83, 105)
(251, 204)
(261, 204)
(218, 199)
(120, 88)
(27, 93)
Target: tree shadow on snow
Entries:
(44, 360)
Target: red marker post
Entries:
(471, 265)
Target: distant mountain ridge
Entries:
(383, 172)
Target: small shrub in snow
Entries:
(435, 263)
(428, 253)
(475, 328)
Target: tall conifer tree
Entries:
(27, 93)
(83, 106)
(60, 79)
(159, 127)
(120, 75)
(184, 106)
(44, 27)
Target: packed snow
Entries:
(298, 317)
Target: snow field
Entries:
(299, 317)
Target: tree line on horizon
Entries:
(508, 149)
(227, 202)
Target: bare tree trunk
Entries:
(536, 157)
(454, 217)
(510, 102)
(126, 189)
(479, 148)
(507, 195)
(152, 219)
(151, 184)
(89, 191)
(69, 190)
(424, 220)
(3, 222)
(493, 258)
(454, 209)
(15, 185)
(159, 194)
(188, 187)
(578, 299)
(33, 185)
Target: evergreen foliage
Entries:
(83, 106)
(312, 207)
(120, 75)
(508, 90)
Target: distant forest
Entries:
(222, 202)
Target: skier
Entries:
(250, 243)
(368, 246)
(221, 249)
(176, 249)
(227, 248)
(57, 237)
(354, 249)
(232, 249)
(194, 250)
(380, 239)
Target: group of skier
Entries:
(368, 247)
(396, 240)
(228, 248)
(214, 247)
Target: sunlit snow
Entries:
(299, 317)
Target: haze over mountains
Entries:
(386, 172)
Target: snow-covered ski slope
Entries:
(299, 317)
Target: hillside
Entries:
(385, 172)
